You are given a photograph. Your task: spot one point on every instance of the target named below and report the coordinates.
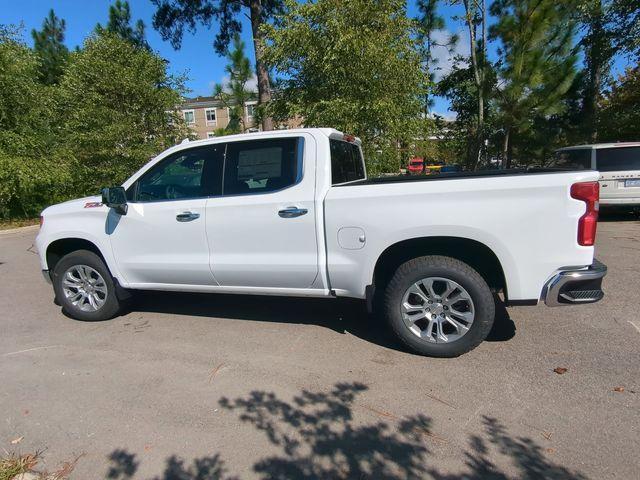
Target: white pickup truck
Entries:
(293, 213)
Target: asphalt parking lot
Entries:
(215, 387)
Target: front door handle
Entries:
(187, 216)
(291, 212)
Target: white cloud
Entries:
(252, 84)
(444, 56)
(447, 115)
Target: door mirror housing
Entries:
(116, 198)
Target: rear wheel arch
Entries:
(472, 252)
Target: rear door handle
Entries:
(187, 216)
(291, 212)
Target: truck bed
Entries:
(455, 176)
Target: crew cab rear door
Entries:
(262, 229)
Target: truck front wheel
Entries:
(438, 306)
(84, 287)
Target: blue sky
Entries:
(196, 58)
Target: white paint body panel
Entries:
(240, 244)
(151, 246)
(252, 246)
(528, 221)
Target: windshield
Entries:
(578, 159)
(618, 159)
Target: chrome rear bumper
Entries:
(575, 286)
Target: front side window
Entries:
(346, 162)
(189, 117)
(618, 159)
(578, 159)
(210, 113)
(192, 173)
(262, 166)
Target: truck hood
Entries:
(73, 205)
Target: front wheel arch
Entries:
(58, 249)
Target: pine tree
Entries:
(537, 62)
(429, 21)
(49, 47)
(234, 95)
(120, 24)
(172, 16)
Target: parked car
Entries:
(450, 168)
(293, 213)
(619, 167)
(415, 165)
(433, 168)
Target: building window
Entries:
(189, 116)
(211, 134)
(210, 114)
(250, 110)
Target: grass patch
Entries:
(22, 222)
(15, 464)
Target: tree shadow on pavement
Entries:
(317, 435)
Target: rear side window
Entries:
(578, 159)
(346, 162)
(262, 166)
(618, 159)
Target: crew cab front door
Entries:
(262, 230)
(162, 238)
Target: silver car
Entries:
(619, 167)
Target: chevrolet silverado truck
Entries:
(293, 213)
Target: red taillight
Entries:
(589, 193)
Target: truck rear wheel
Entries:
(438, 306)
(84, 287)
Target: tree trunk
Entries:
(595, 61)
(478, 72)
(506, 163)
(262, 74)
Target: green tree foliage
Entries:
(460, 88)
(429, 21)
(30, 174)
(120, 24)
(48, 44)
(351, 65)
(235, 95)
(537, 63)
(609, 28)
(621, 108)
(112, 110)
(113, 106)
(173, 16)
(624, 16)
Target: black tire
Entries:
(449, 268)
(111, 305)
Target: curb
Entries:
(19, 230)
